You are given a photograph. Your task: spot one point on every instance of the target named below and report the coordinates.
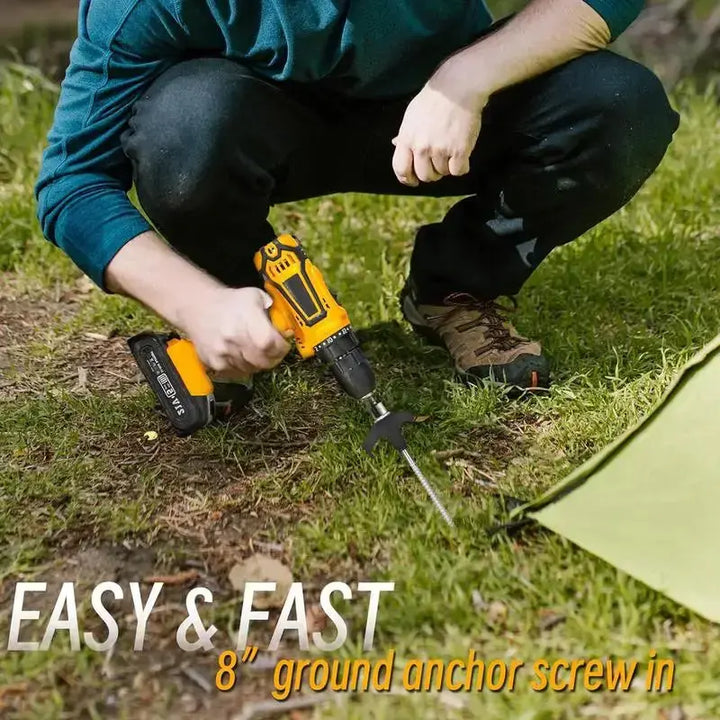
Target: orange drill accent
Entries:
(302, 303)
(184, 357)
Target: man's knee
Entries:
(635, 120)
(186, 140)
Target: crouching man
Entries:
(218, 109)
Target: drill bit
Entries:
(389, 426)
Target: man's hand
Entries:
(229, 327)
(439, 131)
(232, 332)
(442, 123)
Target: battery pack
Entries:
(176, 376)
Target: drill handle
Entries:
(281, 319)
(302, 303)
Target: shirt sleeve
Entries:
(618, 14)
(85, 176)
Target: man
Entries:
(217, 109)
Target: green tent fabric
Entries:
(649, 503)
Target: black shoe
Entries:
(232, 396)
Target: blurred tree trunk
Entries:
(677, 38)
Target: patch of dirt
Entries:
(212, 515)
(196, 549)
(162, 681)
(35, 356)
(208, 501)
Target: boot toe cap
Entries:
(526, 372)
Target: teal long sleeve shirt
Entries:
(366, 48)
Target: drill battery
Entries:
(177, 378)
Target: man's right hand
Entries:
(232, 332)
(230, 327)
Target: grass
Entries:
(84, 495)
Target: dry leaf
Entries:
(675, 712)
(19, 688)
(316, 619)
(261, 568)
(550, 619)
(84, 285)
(497, 613)
(421, 418)
(478, 601)
(151, 436)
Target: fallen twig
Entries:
(265, 546)
(181, 578)
(202, 682)
(263, 663)
(107, 671)
(458, 452)
(274, 444)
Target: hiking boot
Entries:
(480, 339)
(231, 396)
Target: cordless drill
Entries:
(302, 306)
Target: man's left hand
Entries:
(442, 123)
(439, 130)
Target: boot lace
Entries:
(489, 314)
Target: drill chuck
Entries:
(343, 354)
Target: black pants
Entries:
(214, 147)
